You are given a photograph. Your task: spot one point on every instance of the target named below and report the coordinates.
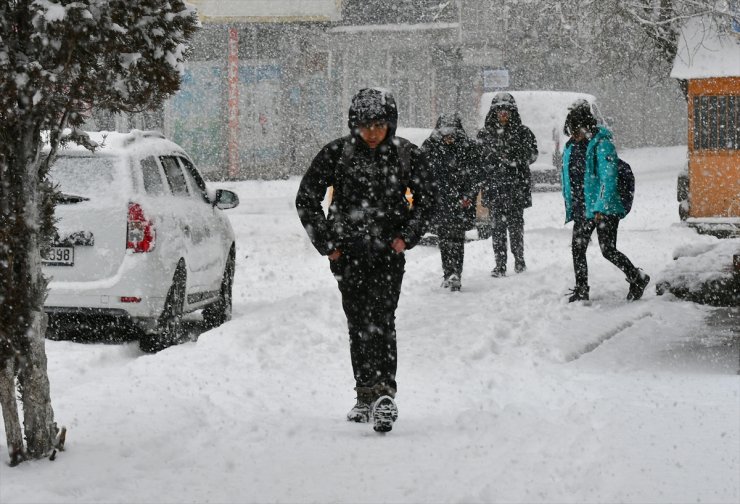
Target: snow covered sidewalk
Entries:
(506, 392)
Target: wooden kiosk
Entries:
(709, 58)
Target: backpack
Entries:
(625, 184)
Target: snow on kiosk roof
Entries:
(704, 52)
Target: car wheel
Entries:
(683, 210)
(219, 312)
(170, 328)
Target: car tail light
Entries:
(140, 232)
(130, 299)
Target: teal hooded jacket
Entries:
(600, 183)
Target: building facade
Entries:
(269, 82)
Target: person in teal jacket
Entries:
(592, 200)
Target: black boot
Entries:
(637, 285)
(455, 283)
(578, 293)
(360, 412)
(498, 272)
(385, 413)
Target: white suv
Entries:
(140, 237)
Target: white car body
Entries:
(543, 112)
(126, 187)
(416, 136)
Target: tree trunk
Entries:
(38, 415)
(23, 289)
(13, 433)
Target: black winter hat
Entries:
(503, 100)
(579, 117)
(373, 104)
(449, 124)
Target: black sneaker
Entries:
(360, 413)
(520, 267)
(578, 294)
(498, 272)
(637, 286)
(384, 414)
(455, 283)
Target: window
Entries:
(716, 122)
(88, 176)
(196, 182)
(152, 178)
(174, 176)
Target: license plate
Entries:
(59, 256)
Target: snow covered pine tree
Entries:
(58, 59)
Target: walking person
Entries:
(369, 226)
(453, 166)
(592, 200)
(508, 148)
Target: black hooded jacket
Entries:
(507, 151)
(368, 207)
(454, 168)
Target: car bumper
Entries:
(546, 180)
(138, 289)
(61, 301)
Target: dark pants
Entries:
(452, 249)
(503, 219)
(606, 230)
(370, 285)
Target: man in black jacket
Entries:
(508, 148)
(454, 167)
(369, 225)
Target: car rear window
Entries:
(88, 176)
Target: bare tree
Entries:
(59, 58)
(612, 37)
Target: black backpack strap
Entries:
(404, 157)
(348, 151)
(345, 161)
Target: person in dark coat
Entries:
(453, 164)
(508, 148)
(369, 226)
(592, 199)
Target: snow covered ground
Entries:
(506, 392)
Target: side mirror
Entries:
(226, 199)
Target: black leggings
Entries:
(452, 250)
(371, 285)
(511, 219)
(606, 230)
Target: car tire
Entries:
(220, 312)
(170, 328)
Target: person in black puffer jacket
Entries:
(369, 225)
(508, 148)
(454, 165)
